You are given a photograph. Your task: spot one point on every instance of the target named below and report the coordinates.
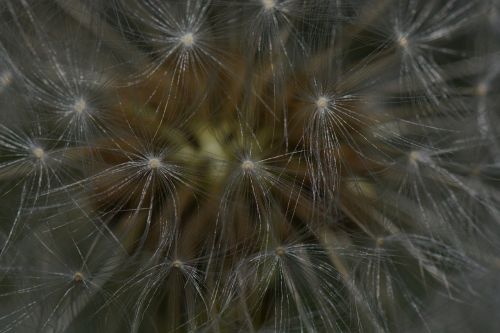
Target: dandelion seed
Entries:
(67, 87)
(50, 288)
(414, 157)
(416, 28)
(284, 276)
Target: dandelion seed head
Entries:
(38, 152)
(154, 163)
(268, 4)
(187, 39)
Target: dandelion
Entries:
(260, 165)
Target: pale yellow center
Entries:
(78, 277)
(188, 39)
(322, 103)
(482, 89)
(80, 105)
(247, 165)
(177, 264)
(38, 152)
(403, 42)
(280, 251)
(5, 79)
(269, 4)
(154, 163)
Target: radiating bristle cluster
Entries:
(248, 165)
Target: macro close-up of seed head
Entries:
(249, 166)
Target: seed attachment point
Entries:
(322, 103)
(38, 152)
(188, 39)
(403, 42)
(80, 106)
(177, 264)
(6, 79)
(247, 165)
(416, 157)
(78, 277)
(154, 163)
(280, 251)
(268, 4)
